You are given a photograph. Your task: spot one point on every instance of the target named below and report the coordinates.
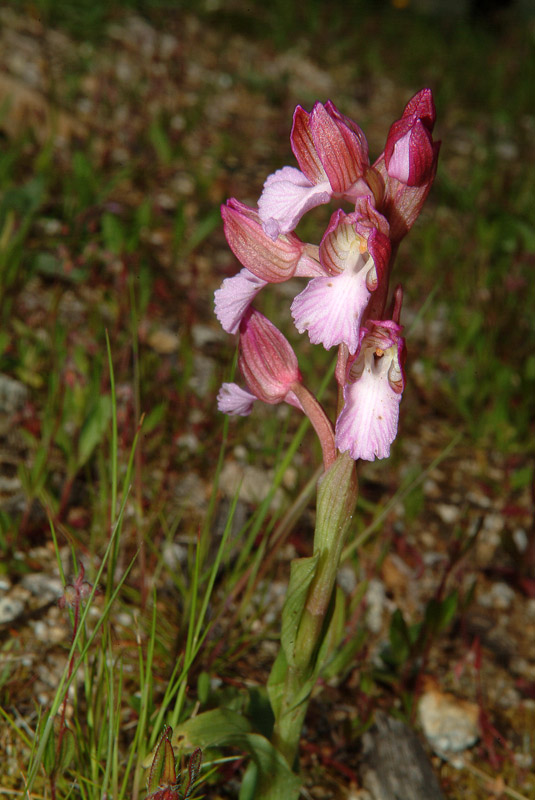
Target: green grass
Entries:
(85, 281)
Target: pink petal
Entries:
(286, 196)
(309, 265)
(292, 400)
(409, 154)
(272, 261)
(343, 152)
(331, 308)
(368, 422)
(304, 149)
(234, 400)
(421, 106)
(233, 298)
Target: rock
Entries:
(252, 483)
(45, 587)
(13, 395)
(375, 605)
(394, 763)
(10, 609)
(164, 341)
(448, 513)
(450, 724)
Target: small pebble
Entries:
(10, 609)
(346, 579)
(43, 586)
(520, 539)
(375, 605)
(448, 514)
(449, 723)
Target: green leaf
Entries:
(66, 751)
(94, 428)
(259, 711)
(194, 767)
(301, 574)
(49, 753)
(276, 682)
(163, 770)
(272, 778)
(203, 687)
(112, 233)
(221, 727)
(400, 639)
(439, 614)
(210, 729)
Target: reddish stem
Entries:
(320, 422)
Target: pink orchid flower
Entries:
(235, 401)
(354, 253)
(271, 260)
(409, 150)
(332, 153)
(368, 422)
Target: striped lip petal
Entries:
(368, 422)
(270, 260)
(304, 149)
(286, 196)
(233, 298)
(331, 308)
(341, 151)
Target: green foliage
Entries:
(408, 642)
(270, 778)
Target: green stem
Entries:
(337, 496)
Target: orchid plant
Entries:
(346, 303)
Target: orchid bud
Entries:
(408, 164)
(410, 153)
(266, 359)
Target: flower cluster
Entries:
(345, 300)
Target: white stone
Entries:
(447, 513)
(10, 609)
(375, 605)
